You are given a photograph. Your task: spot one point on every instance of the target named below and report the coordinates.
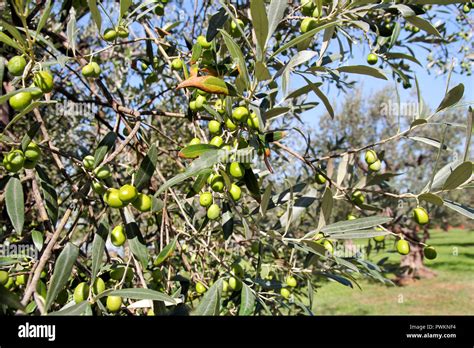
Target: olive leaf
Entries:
(15, 203)
(211, 301)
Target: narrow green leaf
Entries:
(247, 300)
(95, 13)
(469, 129)
(304, 36)
(166, 252)
(459, 176)
(8, 41)
(124, 6)
(49, 194)
(44, 16)
(28, 137)
(326, 208)
(136, 242)
(462, 209)
(15, 203)
(321, 96)
(431, 198)
(14, 32)
(193, 151)
(397, 55)
(276, 10)
(71, 31)
(423, 25)
(211, 301)
(238, 57)
(260, 25)
(9, 299)
(75, 309)
(147, 168)
(353, 225)
(363, 70)
(104, 146)
(98, 247)
(62, 272)
(37, 237)
(141, 294)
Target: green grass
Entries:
(451, 292)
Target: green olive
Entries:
(403, 247)
(44, 81)
(236, 169)
(128, 193)
(33, 152)
(81, 292)
(217, 141)
(195, 141)
(98, 286)
(4, 277)
(88, 162)
(205, 199)
(235, 192)
(291, 281)
(285, 293)
(371, 157)
(375, 167)
(320, 179)
(200, 288)
(240, 114)
(213, 212)
(201, 40)
(143, 202)
(308, 24)
(421, 216)
(430, 252)
(117, 236)
(235, 284)
(110, 34)
(177, 64)
(215, 127)
(20, 100)
(112, 199)
(102, 172)
(217, 183)
(372, 59)
(113, 303)
(16, 65)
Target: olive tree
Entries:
(154, 161)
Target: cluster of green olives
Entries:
(412, 28)
(310, 10)
(42, 82)
(240, 116)
(15, 160)
(373, 161)
(91, 70)
(82, 290)
(326, 243)
(290, 283)
(111, 34)
(113, 197)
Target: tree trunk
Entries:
(411, 265)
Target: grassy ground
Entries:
(451, 292)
